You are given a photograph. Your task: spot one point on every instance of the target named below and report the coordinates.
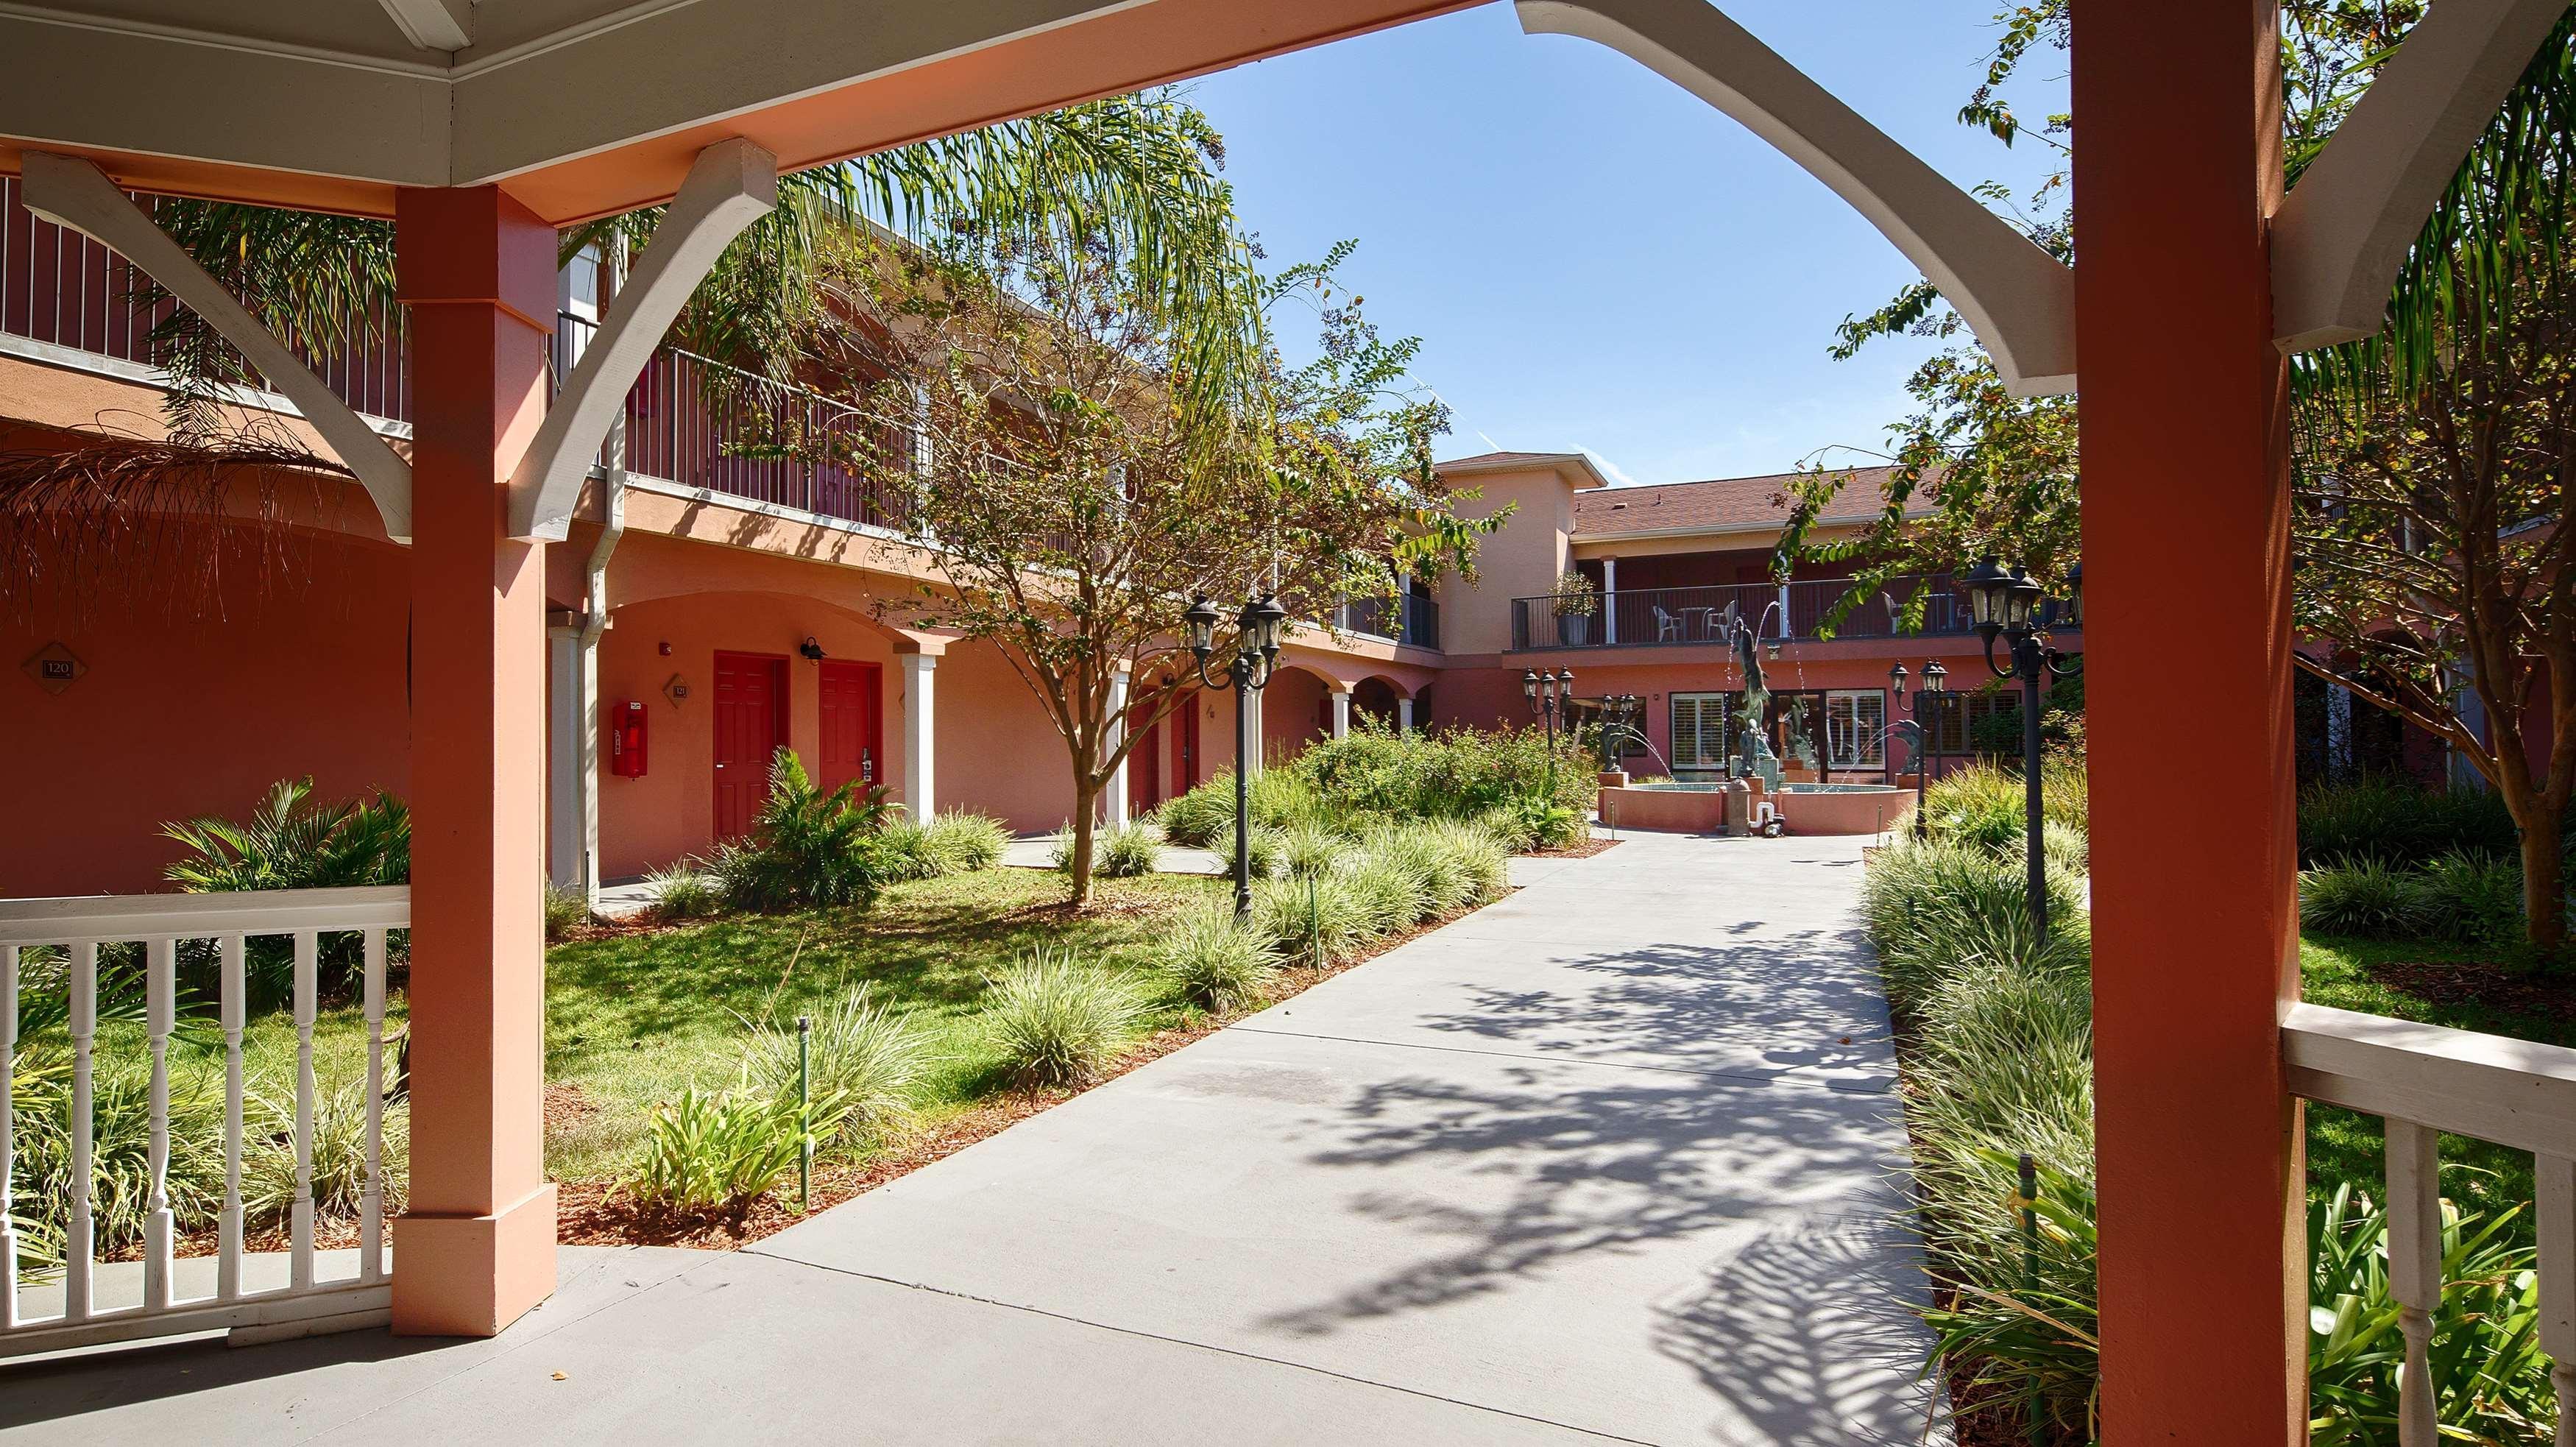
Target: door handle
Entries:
(867, 766)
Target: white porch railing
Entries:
(79, 927)
(2425, 1079)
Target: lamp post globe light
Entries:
(2008, 604)
(1256, 657)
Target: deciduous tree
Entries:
(1074, 505)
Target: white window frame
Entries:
(1697, 734)
(1852, 742)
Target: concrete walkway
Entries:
(1608, 1161)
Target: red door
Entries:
(853, 708)
(751, 722)
(1185, 759)
(1145, 771)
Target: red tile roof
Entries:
(1719, 504)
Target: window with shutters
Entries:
(1700, 730)
(1856, 728)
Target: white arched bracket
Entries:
(71, 192)
(2345, 229)
(2019, 299)
(732, 184)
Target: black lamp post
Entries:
(1256, 657)
(1548, 693)
(1928, 701)
(2007, 605)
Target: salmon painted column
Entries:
(477, 1247)
(2186, 556)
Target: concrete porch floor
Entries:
(1607, 1161)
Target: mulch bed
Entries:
(1585, 850)
(2481, 984)
(596, 1213)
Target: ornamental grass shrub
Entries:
(2396, 820)
(1059, 1020)
(339, 1152)
(958, 842)
(1203, 817)
(1130, 851)
(1308, 849)
(1996, 1048)
(2362, 895)
(1217, 962)
(2472, 897)
(120, 1150)
(2468, 896)
(566, 910)
(962, 841)
(1986, 805)
(866, 1058)
(685, 890)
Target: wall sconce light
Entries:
(666, 648)
(812, 650)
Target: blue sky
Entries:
(1596, 260)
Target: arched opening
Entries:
(1374, 699)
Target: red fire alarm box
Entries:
(626, 740)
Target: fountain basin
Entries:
(1807, 808)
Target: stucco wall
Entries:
(195, 700)
(1524, 558)
(649, 822)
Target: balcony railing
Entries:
(1651, 617)
(50, 970)
(699, 423)
(2422, 1080)
(1416, 620)
(61, 289)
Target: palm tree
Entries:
(1139, 174)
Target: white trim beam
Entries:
(71, 192)
(732, 184)
(2018, 299)
(433, 24)
(2344, 230)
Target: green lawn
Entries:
(633, 1019)
(2410, 980)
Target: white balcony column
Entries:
(1786, 627)
(572, 762)
(1609, 600)
(1404, 715)
(1114, 801)
(1341, 712)
(919, 765)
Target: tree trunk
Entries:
(2544, 891)
(1086, 795)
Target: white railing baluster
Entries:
(2415, 1268)
(301, 1269)
(229, 987)
(371, 1209)
(82, 1005)
(2555, 1233)
(8, 1135)
(149, 1305)
(160, 1008)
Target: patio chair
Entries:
(1668, 628)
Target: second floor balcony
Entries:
(1411, 619)
(1779, 613)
